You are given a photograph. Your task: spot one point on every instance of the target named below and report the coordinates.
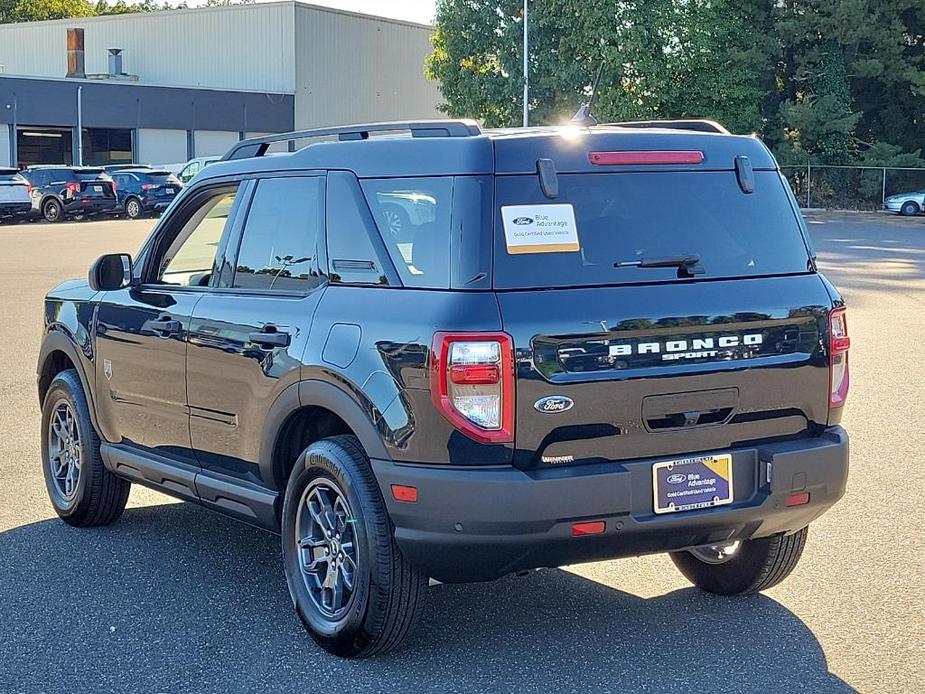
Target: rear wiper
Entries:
(688, 265)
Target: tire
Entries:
(387, 592)
(909, 209)
(96, 497)
(755, 566)
(133, 208)
(52, 211)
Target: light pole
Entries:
(526, 68)
(14, 154)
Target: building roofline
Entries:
(223, 8)
(139, 83)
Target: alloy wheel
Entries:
(64, 452)
(716, 554)
(326, 547)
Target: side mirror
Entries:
(110, 272)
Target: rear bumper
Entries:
(10, 209)
(479, 524)
(90, 206)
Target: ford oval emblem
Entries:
(676, 478)
(523, 220)
(553, 403)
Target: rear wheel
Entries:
(742, 567)
(909, 209)
(82, 491)
(52, 211)
(353, 590)
(133, 208)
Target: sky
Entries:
(410, 10)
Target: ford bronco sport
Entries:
(583, 344)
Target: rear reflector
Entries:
(407, 494)
(589, 528)
(646, 157)
(798, 499)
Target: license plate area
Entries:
(692, 483)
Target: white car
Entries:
(906, 204)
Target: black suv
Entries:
(61, 192)
(585, 343)
(145, 191)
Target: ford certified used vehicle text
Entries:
(582, 344)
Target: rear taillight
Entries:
(630, 158)
(148, 186)
(472, 383)
(73, 188)
(839, 342)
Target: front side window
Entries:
(279, 244)
(190, 257)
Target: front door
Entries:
(142, 330)
(248, 335)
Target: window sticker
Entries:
(540, 228)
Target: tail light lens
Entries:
(839, 342)
(73, 189)
(472, 384)
(148, 186)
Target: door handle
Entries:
(270, 338)
(167, 326)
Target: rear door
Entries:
(618, 359)
(248, 334)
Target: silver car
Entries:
(906, 204)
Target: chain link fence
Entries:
(851, 187)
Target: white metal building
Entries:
(231, 71)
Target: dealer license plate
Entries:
(97, 189)
(691, 483)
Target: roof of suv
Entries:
(508, 151)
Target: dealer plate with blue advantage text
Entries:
(692, 483)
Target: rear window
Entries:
(623, 218)
(89, 174)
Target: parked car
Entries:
(552, 370)
(145, 191)
(15, 195)
(194, 166)
(906, 204)
(62, 192)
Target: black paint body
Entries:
(200, 411)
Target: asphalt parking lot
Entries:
(175, 599)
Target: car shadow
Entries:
(173, 598)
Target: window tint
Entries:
(279, 243)
(623, 218)
(413, 216)
(354, 248)
(189, 260)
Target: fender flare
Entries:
(315, 393)
(57, 341)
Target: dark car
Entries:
(551, 366)
(145, 191)
(15, 195)
(62, 192)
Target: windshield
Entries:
(620, 228)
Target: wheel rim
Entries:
(64, 453)
(51, 212)
(326, 547)
(132, 208)
(716, 554)
(393, 220)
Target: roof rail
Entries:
(699, 125)
(258, 146)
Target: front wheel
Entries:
(909, 209)
(82, 491)
(353, 590)
(742, 567)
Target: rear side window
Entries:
(413, 216)
(278, 248)
(624, 218)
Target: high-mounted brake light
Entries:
(839, 343)
(472, 383)
(629, 158)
